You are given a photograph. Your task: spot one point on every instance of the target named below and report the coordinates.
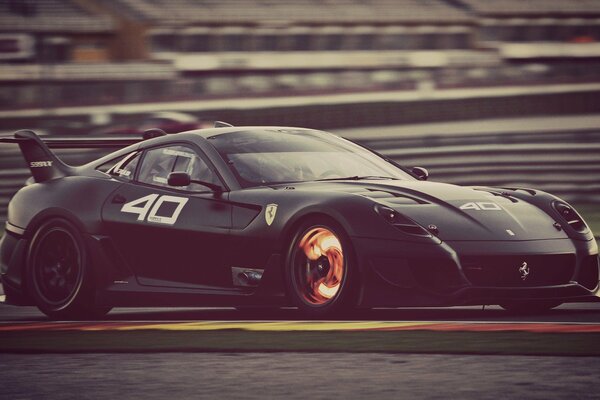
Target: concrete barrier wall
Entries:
(392, 113)
(336, 111)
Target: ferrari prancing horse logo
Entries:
(270, 212)
(524, 270)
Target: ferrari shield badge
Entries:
(270, 212)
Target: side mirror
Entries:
(179, 179)
(421, 173)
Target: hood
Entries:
(459, 213)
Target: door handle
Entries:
(118, 199)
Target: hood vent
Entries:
(528, 191)
(389, 197)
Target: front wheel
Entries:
(59, 277)
(321, 274)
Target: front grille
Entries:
(588, 274)
(438, 275)
(510, 271)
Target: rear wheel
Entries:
(58, 275)
(321, 275)
(530, 307)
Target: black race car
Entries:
(271, 216)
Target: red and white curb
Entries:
(306, 326)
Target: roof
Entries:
(210, 132)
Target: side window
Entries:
(123, 168)
(159, 163)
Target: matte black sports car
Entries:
(270, 216)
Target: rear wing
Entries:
(45, 165)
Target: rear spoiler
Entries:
(44, 164)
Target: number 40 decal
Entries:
(481, 206)
(149, 206)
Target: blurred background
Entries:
(503, 93)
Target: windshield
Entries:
(286, 155)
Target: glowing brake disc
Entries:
(321, 269)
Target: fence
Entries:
(565, 163)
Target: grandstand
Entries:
(52, 31)
(50, 16)
(531, 8)
(103, 51)
(216, 12)
(539, 29)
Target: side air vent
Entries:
(401, 222)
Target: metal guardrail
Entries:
(565, 163)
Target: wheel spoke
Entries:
(56, 267)
(321, 258)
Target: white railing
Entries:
(89, 71)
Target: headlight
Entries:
(400, 221)
(570, 216)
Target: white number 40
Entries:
(481, 206)
(149, 206)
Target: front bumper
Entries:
(400, 274)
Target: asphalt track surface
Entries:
(296, 376)
(307, 375)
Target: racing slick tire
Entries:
(58, 275)
(530, 307)
(320, 270)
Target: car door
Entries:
(171, 236)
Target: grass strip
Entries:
(153, 341)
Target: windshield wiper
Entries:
(356, 178)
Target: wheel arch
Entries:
(52, 213)
(299, 218)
